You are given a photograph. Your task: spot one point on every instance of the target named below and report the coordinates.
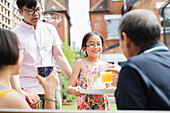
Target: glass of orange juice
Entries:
(106, 77)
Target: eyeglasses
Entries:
(32, 12)
(93, 45)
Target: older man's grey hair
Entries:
(141, 26)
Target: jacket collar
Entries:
(156, 45)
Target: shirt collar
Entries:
(27, 26)
(151, 46)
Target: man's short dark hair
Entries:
(28, 3)
(9, 51)
(141, 26)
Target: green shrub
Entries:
(71, 56)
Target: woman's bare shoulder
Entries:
(13, 99)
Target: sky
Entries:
(79, 15)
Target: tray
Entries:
(98, 91)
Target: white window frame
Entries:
(158, 6)
(112, 17)
(115, 58)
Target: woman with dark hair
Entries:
(10, 62)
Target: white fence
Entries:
(9, 15)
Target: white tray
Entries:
(98, 91)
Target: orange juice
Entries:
(106, 76)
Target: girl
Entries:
(84, 73)
(10, 62)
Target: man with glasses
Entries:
(41, 42)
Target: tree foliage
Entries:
(71, 56)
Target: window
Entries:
(112, 26)
(165, 22)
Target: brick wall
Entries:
(99, 24)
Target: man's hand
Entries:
(114, 69)
(25, 96)
(15, 83)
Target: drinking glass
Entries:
(45, 71)
(106, 77)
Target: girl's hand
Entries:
(76, 91)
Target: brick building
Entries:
(105, 16)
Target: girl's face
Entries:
(94, 46)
